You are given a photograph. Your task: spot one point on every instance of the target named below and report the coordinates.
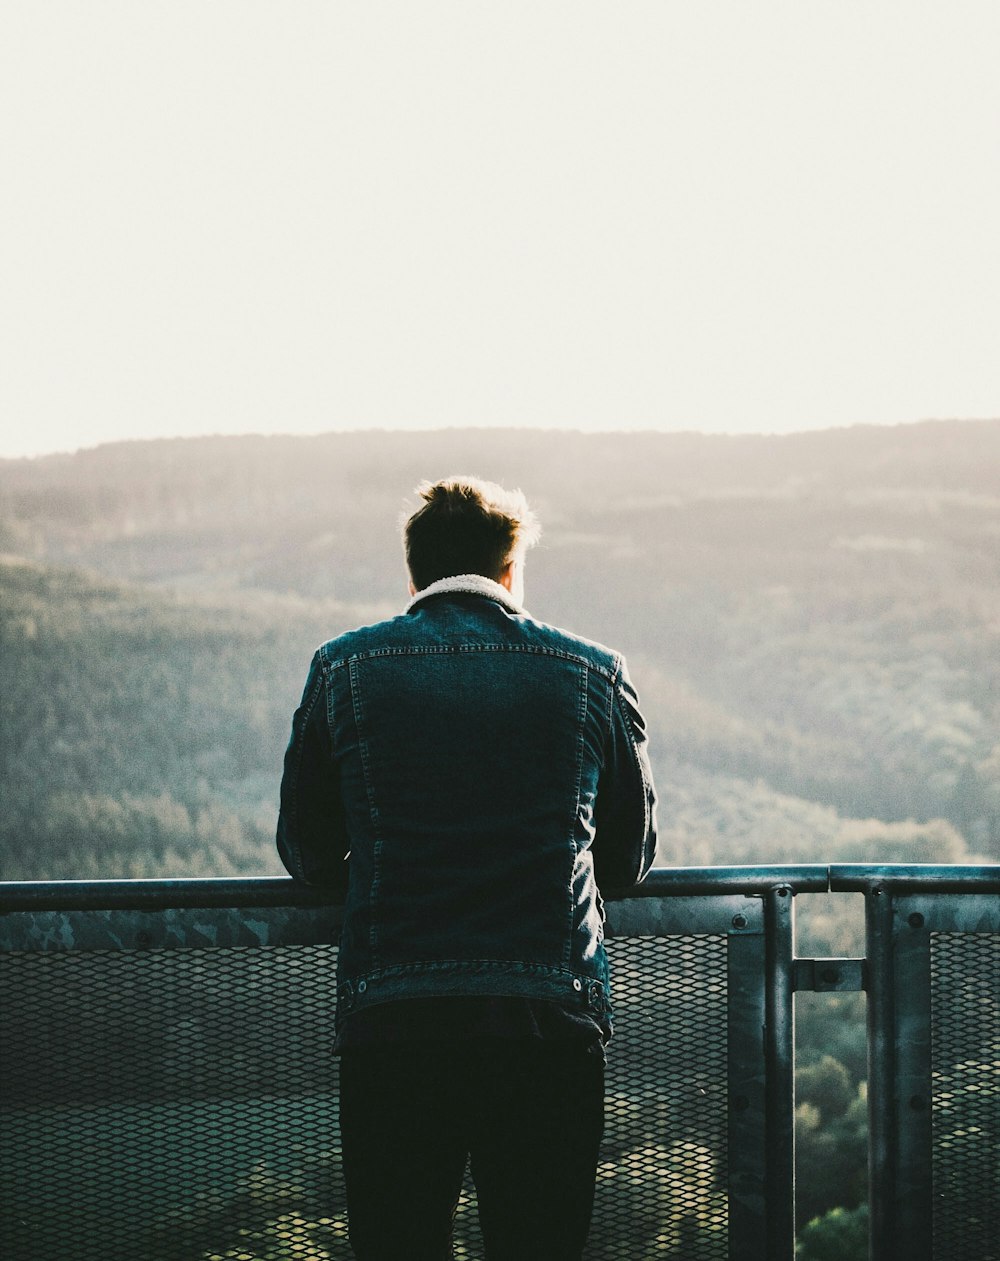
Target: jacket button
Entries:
(362, 986)
(577, 984)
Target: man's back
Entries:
(465, 776)
(476, 752)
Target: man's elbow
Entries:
(629, 866)
(646, 859)
(649, 841)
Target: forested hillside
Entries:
(813, 623)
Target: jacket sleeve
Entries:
(312, 833)
(625, 810)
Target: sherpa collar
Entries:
(469, 584)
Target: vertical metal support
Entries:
(914, 1190)
(747, 1163)
(779, 1052)
(881, 1075)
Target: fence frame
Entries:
(754, 907)
(904, 906)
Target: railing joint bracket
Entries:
(828, 975)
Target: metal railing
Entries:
(168, 1089)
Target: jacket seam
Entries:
(581, 719)
(432, 649)
(612, 692)
(357, 706)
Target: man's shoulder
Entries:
(372, 637)
(556, 638)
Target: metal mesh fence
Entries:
(181, 1106)
(661, 1187)
(172, 1105)
(965, 1025)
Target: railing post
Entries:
(779, 1051)
(881, 1074)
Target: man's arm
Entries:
(312, 832)
(625, 811)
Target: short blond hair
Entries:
(466, 526)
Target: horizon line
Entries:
(62, 452)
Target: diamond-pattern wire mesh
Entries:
(965, 1058)
(180, 1105)
(661, 1185)
(169, 1106)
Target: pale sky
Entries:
(230, 216)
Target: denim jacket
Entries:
(465, 776)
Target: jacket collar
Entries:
(469, 584)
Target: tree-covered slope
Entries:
(142, 734)
(813, 623)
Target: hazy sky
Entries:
(232, 216)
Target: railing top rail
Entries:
(151, 895)
(686, 881)
(154, 895)
(915, 877)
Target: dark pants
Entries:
(529, 1113)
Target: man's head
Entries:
(468, 526)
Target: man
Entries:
(466, 776)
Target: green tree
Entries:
(827, 1085)
(832, 1152)
(840, 1235)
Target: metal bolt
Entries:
(916, 920)
(143, 940)
(739, 921)
(830, 975)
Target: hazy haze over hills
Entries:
(813, 622)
